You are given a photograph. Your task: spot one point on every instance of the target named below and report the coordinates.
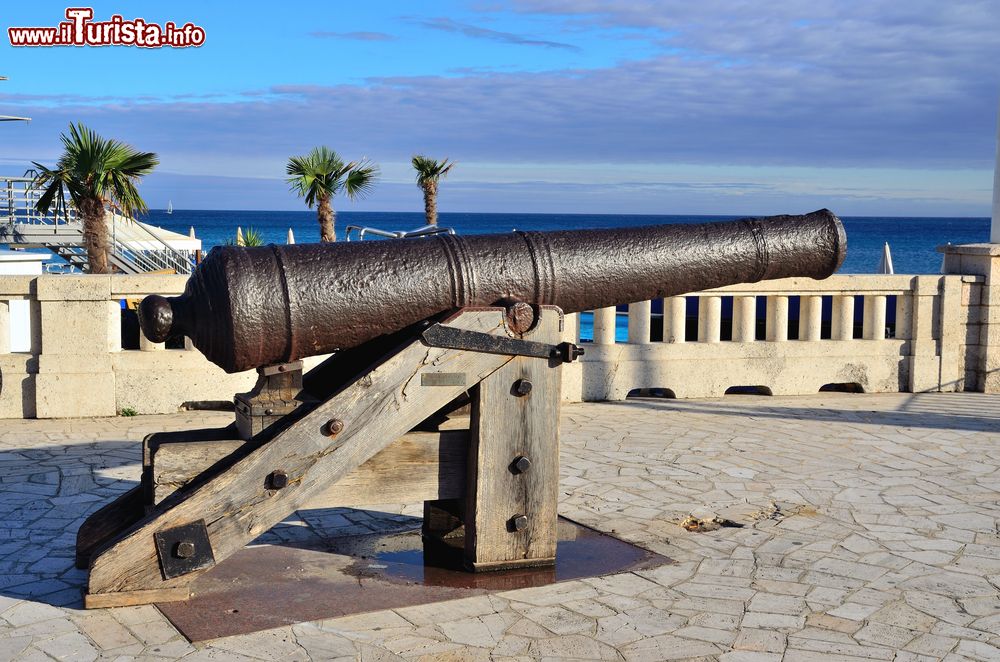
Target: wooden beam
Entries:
(238, 505)
(416, 467)
(508, 424)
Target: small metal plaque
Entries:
(442, 379)
(184, 549)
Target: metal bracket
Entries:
(184, 549)
(448, 337)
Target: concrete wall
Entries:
(947, 338)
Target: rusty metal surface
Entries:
(248, 307)
(269, 586)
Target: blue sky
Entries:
(648, 106)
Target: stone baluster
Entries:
(842, 323)
(873, 326)
(744, 318)
(639, 319)
(674, 319)
(604, 326)
(570, 332)
(810, 318)
(709, 319)
(777, 318)
(904, 316)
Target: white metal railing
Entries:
(135, 248)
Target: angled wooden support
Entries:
(158, 557)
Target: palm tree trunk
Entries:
(95, 236)
(430, 202)
(326, 217)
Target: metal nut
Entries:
(519, 522)
(278, 480)
(333, 427)
(185, 549)
(522, 387)
(520, 464)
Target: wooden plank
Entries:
(418, 466)
(133, 598)
(106, 524)
(506, 426)
(237, 505)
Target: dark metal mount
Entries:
(447, 337)
(184, 549)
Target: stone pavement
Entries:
(871, 531)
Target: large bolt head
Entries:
(185, 549)
(520, 464)
(333, 427)
(519, 522)
(278, 480)
(522, 387)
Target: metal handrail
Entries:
(425, 231)
(20, 207)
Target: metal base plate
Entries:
(268, 586)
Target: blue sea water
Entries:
(911, 240)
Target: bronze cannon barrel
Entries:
(249, 307)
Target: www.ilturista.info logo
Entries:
(80, 30)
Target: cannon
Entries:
(248, 307)
(445, 348)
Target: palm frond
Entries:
(430, 170)
(360, 180)
(322, 173)
(95, 168)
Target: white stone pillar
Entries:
(709, 319)
(874, 317)
(842, 325)
(75, 378)
(744, 319)
(674, 319)
(777, 318)
(604, 326)
(570, 332)
(639, 315)
(146, 345)
(810, 317)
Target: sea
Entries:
(912, 240)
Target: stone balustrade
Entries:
(794, 336)
(866, 333)
(76, 366)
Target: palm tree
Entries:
(96, 172)
(322, 174)
(429, 172)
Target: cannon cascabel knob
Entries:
(156, 318)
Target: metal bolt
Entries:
(268, 412)
(278, 480)
(333, 427)
(522, 387)
(185, 549)
(519, 522)
(520, 464)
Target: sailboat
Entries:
(170, 207)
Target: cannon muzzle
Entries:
(250, 307)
